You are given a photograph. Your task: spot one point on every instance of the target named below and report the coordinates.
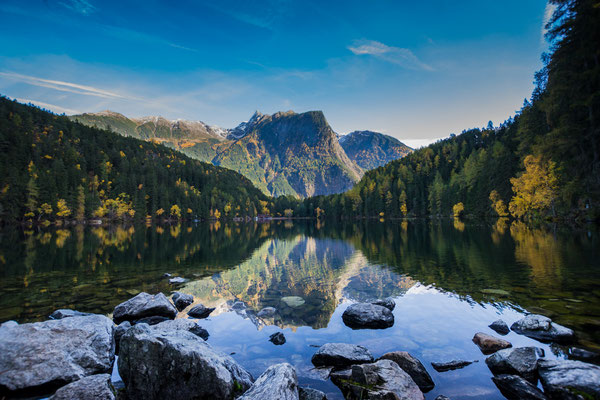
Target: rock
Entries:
(238, 305)
(183, 325)
(182, 300)
(412, 367)
(144, 305)
(583, 355)
(153, 320)
(65, 313)
(450, 365)
(388, 303)
(341, 355)
(278, 382)
(293, 301)
(176, 280)
(277, 338)
(157, 363)
(497, 292)
(200, 311)
(310, 394)
(89, 388)
(364, 315)
(267, 312)
(514, 387)
(381, 380)
(567, 379)
(520, 361)
(167, 275)
(119, 331)
(442, 397)
(542, 328)
(489, 344)
(338, 376)
(500, 327)
(49, 354)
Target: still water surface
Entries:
(449, 280)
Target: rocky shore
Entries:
(161, 356)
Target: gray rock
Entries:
(267, 312)
(341, 375)
(388, 303)
(153, 320)
(340, 355)
(119, 331)
(442, 397)
(157, 363)
(278, 382)
(182, 300)
(183, 325)
(200, 311)
(514, 387)
(520, 361)
(412, 367)
(489, 344)
(238, 305)
(500, 327)
(66, 312)
(381, 380)
(144, 305)
(542, 328)
(367, 316)
(310, 394)
(567, 379)
(450, 365)
(49, 354)
(583, 355)
(94, 387)
(277, 338)
(176, 280)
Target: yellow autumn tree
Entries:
(63, 209)
(536, 189)
(175, 211)
(458, 210)
(498, 204)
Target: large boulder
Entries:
(93, 387)
(340, 355)
(157, 363)
(412, 367)
(383, 379)
(42, 356)
(520, 361)
(183, 325)
(200, 311)
(514, 387)
(489, 344)
(542, 328)
(182, 300)
(144, 305)
(567, 379)
(278, 382)
(368, 316)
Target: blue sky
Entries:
(415, 70)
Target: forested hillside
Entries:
(52, 168)
(542, 163)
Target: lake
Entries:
(449, 279)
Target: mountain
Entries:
(282, 154)
(372, 149)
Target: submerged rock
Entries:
(412, 367)
(450, 365)
(66, 312)
(383, 379)
(442, 397)
(177, 280)
(119, 331)
(542, 328)
(489, 344)
(278, 382)
(157, 363)
(520, 361)
(340, 355)
(144, 305)
(49, 354)
(277, 338)
(514, 387)
(583, 355)
(200, 311)
(310, 394)
(567, 379)
(182, 300)
(500, 327)
(94, 387)
(267, 312)
(364, 315)
(293, 301)
(388, 303)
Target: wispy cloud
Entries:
(51, 107)
(65, 86)
(395, 55)
(79, 6)
(548, 11)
